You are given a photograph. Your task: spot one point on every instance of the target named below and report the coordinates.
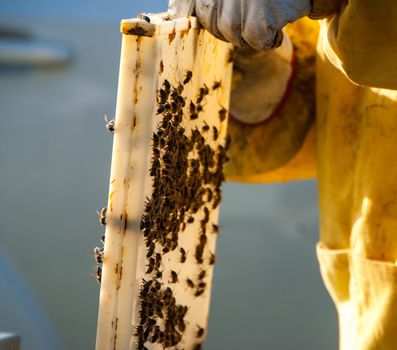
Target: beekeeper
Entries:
(342, 129)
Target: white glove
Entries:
(245, 23)
(261, 82)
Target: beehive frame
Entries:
(162, 213)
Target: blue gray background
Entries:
(54, 169)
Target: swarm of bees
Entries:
(187, 173)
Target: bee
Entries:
(167, 293)
(216, 85)
(212, 259)
(174, 243)
(146, 286)
(209, 195)
(103, 238)
(156, 163)
(222, 114)
(161, 109)
(167, 107)
(202, 274)
(198, 292)
(189, 283)
(217, 200)
(181, 101)
(215, 132)
(178, 118)
(163, 97)
(203, 239)
(157, 261)
(139, 331)
(174, 277)
(150, 266)
(98, 253)
(143, 223)
(193, 116)
(202, 93)
(206, 214)
(110, 124)
(144, 17)
(192, 107)
(215, 228)
(157, 286)
(156, 153)
(183, 255)
(155, 139)
(188, 77)
(165, 123)
(182, 310)
(190, 219)
(201, 285)
(102, 216)
(179, 89)
(150, 250)
(154, 338)
(154, 172)
(146, 333)
(156, 332)
(181, 325)
(167, 85)
(99, 274)
(200, 332)
(201, 141)
(199, 254)
(174, 107)
(206, 127)
(161, 337)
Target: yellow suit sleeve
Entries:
(356, 130)
(362, 42)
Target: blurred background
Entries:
(55, 158)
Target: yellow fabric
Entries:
(301, 167)
(267, 152)
(362, 41)
(365, 294)
(356, 130)
(356, 147)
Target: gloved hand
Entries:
(261, 82)
(254, 24)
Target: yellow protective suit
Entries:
(353, 149)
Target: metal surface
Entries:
(9, 341)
